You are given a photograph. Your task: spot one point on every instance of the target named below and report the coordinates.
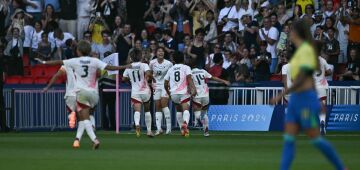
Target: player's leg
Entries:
(197, 107)
(137, 109)
(84, 115)
(185, 104)
(92, 118)
(71, 107)
(158, 113)
(179, 115)
(205, 120)
(148, 118)
(322, 97)
(167, 113)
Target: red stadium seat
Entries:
(37, 71)
(276, 77)
(26, 60)
(51, 70)
(13, 80)
(27, 70)
(27, 80)
(41, 80)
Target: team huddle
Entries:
(178, 82)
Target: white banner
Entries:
(112, 60)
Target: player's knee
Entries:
(316, 140)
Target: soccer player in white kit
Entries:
(159, 68)
(201, 100)
(322, 86)
(70, 94)
(178, 84)
(87, 96)
(139, 75)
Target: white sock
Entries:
(167, 114)
(92, 120)
(148, 121)
(322, 117)
(89, 130)
(80, 130)
(205, 120)
(179, 118)
(158, 117)
(137, 118)
(197, 117)
(186, 116)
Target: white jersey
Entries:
(159, 71)
(176, 75)
(199, 77)
(319, 76)
(136, 74)
(85, 71)
(70, 81)
(285, 70)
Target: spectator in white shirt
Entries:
(343, 38)
(106, 46)
(60, 38)
(270, 35)
(84, 8)
(227, 12)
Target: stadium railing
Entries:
(31, 109)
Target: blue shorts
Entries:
(304, 109)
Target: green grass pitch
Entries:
(221, 151)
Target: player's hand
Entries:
(275, 100)
(44, 90)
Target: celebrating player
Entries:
(322, 85)
(201, 100)
(87, 96)
(304, 106)
(159, 68)
(178, 83)
(70, 94)
(139, 75)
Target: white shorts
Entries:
(180, 98)
(201, 101)
(322, 93)
(89, 98)
(140, 98)
(70, 102)
(160, 93)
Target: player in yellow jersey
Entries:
(304, 106)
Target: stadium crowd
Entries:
(245, 40)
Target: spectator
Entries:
(227, 59)
(108, 11)
(220, 95)
(44, 48)
(354, 29)
(144, 39)
(151, 14)
(54, 3)
(165, 9)
(303, 4)
(97, 27)
(232, 69)
(297, 13)
(18, 20)
(319, 34)
(262, 64)
(250, 31)
(318, 21)
(353, 67)
(153, 47)
(332, 48)
(210, 29)
(329, 23)
(106, 45)
(198, 49)
(60, 41)
(242, 74)
(36, 36)
(342, 36)
(209, 60)
(270, 35)
(246, 59)
(169, 43)
(49, 18)
(329, 10)
(283, 40)
(281, 13)
(84, 9)
(227, 12)
(198, 12)
(69, 50)
(309, 11)
(122, 42)
(117, 26)
(27, 32)
(68, 16)
(14, 53)
(4, 12)
(275, 23)
(229, 44)
(180, 14)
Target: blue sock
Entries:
(288, 152)
(325, 147)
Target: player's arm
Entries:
(54, 62)
(220, 80)
(114, 68)
(54, 78)
(191, 85)
(148, 75)
(167, 87)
